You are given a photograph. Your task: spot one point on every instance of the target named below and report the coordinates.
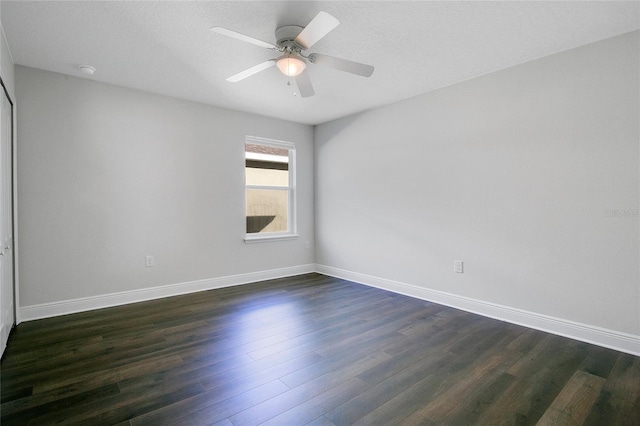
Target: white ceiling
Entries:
(416, 46)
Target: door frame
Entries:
(13, 206)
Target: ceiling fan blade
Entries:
(245, 38)
(251, 71)
(304, 84)
(342, 64)
(319, 27)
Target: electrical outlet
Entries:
(307, 245)
(149, 261)
(457, 266)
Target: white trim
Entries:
(54, 309)
(269, 236)
(16, 245)
(623, 342)
(292, 211)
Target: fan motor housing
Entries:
(285, 36)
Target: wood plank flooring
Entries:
(307, 350)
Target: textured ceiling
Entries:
(167, 47)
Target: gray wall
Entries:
(516, 173)
(6, 65)
(108, 175)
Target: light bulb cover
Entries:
(291, 65)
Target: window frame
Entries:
(291, 232)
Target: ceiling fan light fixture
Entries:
(291, 65)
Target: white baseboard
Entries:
(54, 309)
(598, 336)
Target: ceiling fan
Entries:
(291, 41)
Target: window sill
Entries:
(249, 239)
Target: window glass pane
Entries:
(267, 210)
(269, 177)
(266, 150)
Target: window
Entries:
(269, 189)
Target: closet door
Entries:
(7, 290)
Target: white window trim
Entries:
(292, 216)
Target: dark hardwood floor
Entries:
(307, 350)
